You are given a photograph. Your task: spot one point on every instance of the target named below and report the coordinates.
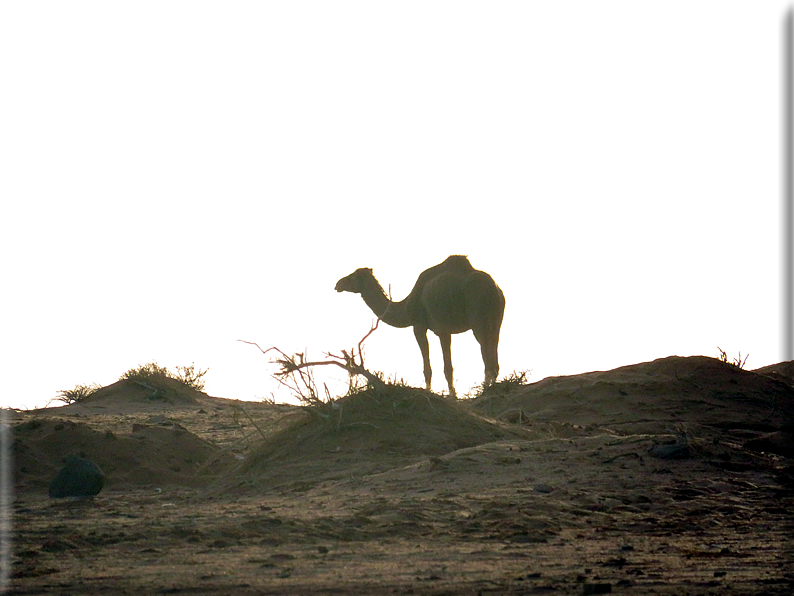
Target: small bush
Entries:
(80, 392)
(146, 372)
(738, 362)
(504, 386)
(517, 377)
(152, 372)
(191, 376)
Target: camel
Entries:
(450, 298)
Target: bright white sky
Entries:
(180, 175)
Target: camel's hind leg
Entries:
(490, 358)
(489, 348)
(421, 339)
(485, 310)
(446, 350)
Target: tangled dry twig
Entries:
(295, 371)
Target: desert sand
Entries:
(668, 477)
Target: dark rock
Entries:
(675, 451)
(779, 443)
(597, 588)
(80, 477)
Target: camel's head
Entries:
(355, 281)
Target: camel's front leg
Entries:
(421, 339)
(446, 350)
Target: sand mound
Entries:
(782, 371)
(164, 390)
(653, 397)
(149, 456)
(366, 433)
(141, 438)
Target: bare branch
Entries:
(363, 339)
(253, 343)
(295, 371)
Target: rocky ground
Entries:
(669, 477)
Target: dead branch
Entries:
(295, 370)
(347, 362)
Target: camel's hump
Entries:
(453, 263)
(458, 262)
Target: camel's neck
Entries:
(391, 313)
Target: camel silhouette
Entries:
(450, 298)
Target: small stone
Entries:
(80, 477)
(671, 451)
(597, 588)
(159, 419)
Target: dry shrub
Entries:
(738, 362)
